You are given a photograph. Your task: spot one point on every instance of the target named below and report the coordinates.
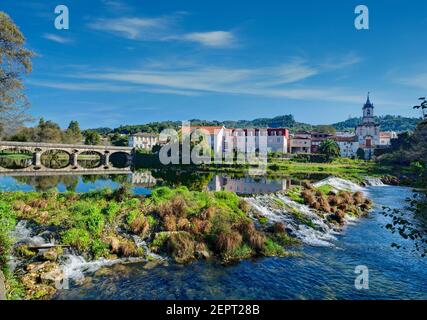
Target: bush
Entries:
(7, 223)
(228, 240)
(181, 247)
(78, 238)
(271, 248)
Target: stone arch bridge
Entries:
(73, 151)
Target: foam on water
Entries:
(318, 232)
(374, 182)
(339, 184)
(75, 267)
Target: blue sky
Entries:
(132, 62)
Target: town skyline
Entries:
(119, 61)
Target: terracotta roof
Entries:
(209, 129)
(345, 139)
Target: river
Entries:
(322, 271)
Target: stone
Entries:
(52, 254)
(52, 277)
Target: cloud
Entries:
(417, 81)
(56, 38)
(283, 80)
(211, 39)
(133, 28)
(163, 28)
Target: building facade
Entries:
(368, 132)
(317, 138)
(348, 146)
(300, 142)
(143, 140)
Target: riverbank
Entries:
(108, 227)
(345, 168)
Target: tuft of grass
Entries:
(78, 238)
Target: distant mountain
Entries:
(387, 123)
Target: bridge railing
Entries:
(62, 145)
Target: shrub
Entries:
(111, 211)
(140, 225)
(181, 247)
(358, 197)
(99, 249)
(7, 223)
(228, 240)
(271, 248)
(78, 238)
(122, 193)
(308, 197)
(169, 223)
(278, 227)
(244, 205)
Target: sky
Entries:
(138, 61)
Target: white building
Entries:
(348, 146)
(386, 137)
(215, 135)
(368, 132)
(143, 140)
(253, 140)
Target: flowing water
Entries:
(324, 267)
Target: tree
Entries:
(92, 137)
(15, 61)
(324, 128)
(422, 106)
(118, 139)
(48, 131)
(73, 133)
(360, 153)
(330, 149)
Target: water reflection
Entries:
(143, 181)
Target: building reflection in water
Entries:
(248, 185)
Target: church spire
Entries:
(367, 100)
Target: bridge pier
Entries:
(73, 160)
(106, 159)
(37, 162)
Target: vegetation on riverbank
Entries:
(350, 169)
(182, 224)
(326, 199)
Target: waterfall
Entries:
(300, 221)
(339, 184)
(374, 182)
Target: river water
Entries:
(322, 271)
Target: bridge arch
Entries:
(55, 158)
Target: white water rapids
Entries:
(73, 266)
(304, 223)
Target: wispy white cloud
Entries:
(105, 87)
(218, 39)
(416, 80)
(56, 38)
(280, 81)
(163, 28)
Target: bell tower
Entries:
(368, 132)
(368, 111)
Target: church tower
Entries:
(368, 132)
(368, 111)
